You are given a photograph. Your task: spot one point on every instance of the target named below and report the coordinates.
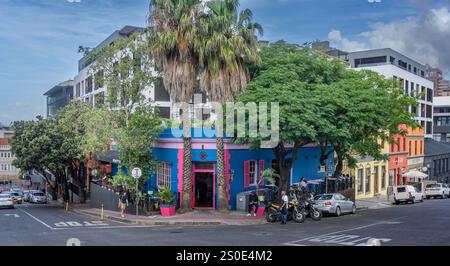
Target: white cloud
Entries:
(336, 38)
(425, 38)
(73, 1)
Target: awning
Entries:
(108, 157)
(415, 174)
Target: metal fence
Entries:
(109, 199)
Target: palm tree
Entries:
(226, 43)
(172, 36)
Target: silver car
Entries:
(38, 197)
(335, 203)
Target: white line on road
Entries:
(46, 225)
(293, 243)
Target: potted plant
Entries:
(268, 175)
(167, 206)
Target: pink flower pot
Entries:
(167, 210)
(260, 211)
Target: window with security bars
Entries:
(252, 172)
(163, 174)
(368, 175)
(360, 180)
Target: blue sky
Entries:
(39, 39)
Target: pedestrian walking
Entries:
(123, 203)
(284, 207)
(253, 205)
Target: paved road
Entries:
(426, 223)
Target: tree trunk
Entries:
(81, 181)
(221, 177)
(339, 166)
(187, 169)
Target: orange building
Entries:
(398, 157)
(416, 150)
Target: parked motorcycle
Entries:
(273, 211)
(308, 208)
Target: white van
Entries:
(407, 193)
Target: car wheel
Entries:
(338, 211)
(354, 209)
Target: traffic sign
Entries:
(136, 173)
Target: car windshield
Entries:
(433, 186)
(15, 194)
(325, 197)
(39, 194)
(4, 196)
(401, 189)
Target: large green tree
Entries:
(94, 128)
(226, 42)
(42, 145)
(135, 139)
(126, 69)
(322, 101)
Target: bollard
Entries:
(67, 206)
(102, 213)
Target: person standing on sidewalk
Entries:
(284, 207)
(123, 203)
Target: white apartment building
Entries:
(441, 116)
(7, 170)
(408, 72)
(86, 89)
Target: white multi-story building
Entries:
(86, 88)
(441, 116)
(408, 72)
(7, 169)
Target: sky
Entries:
(39, 39)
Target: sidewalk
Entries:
(378, 202)
(191, 218)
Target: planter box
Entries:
(167, 210)
(261, 210)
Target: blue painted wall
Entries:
(307, 165)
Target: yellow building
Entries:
(371, 178)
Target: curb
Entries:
(161, 222)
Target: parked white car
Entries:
(437, 190)
(407, 193)
(447, 190)
(6, 201)
(38, 197)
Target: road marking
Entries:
(14, 215)
(46, 225)
(82, 224)
(100, 225)
(293, 243)
(348, 240)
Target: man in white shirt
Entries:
(284, 207)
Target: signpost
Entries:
(137, 173)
